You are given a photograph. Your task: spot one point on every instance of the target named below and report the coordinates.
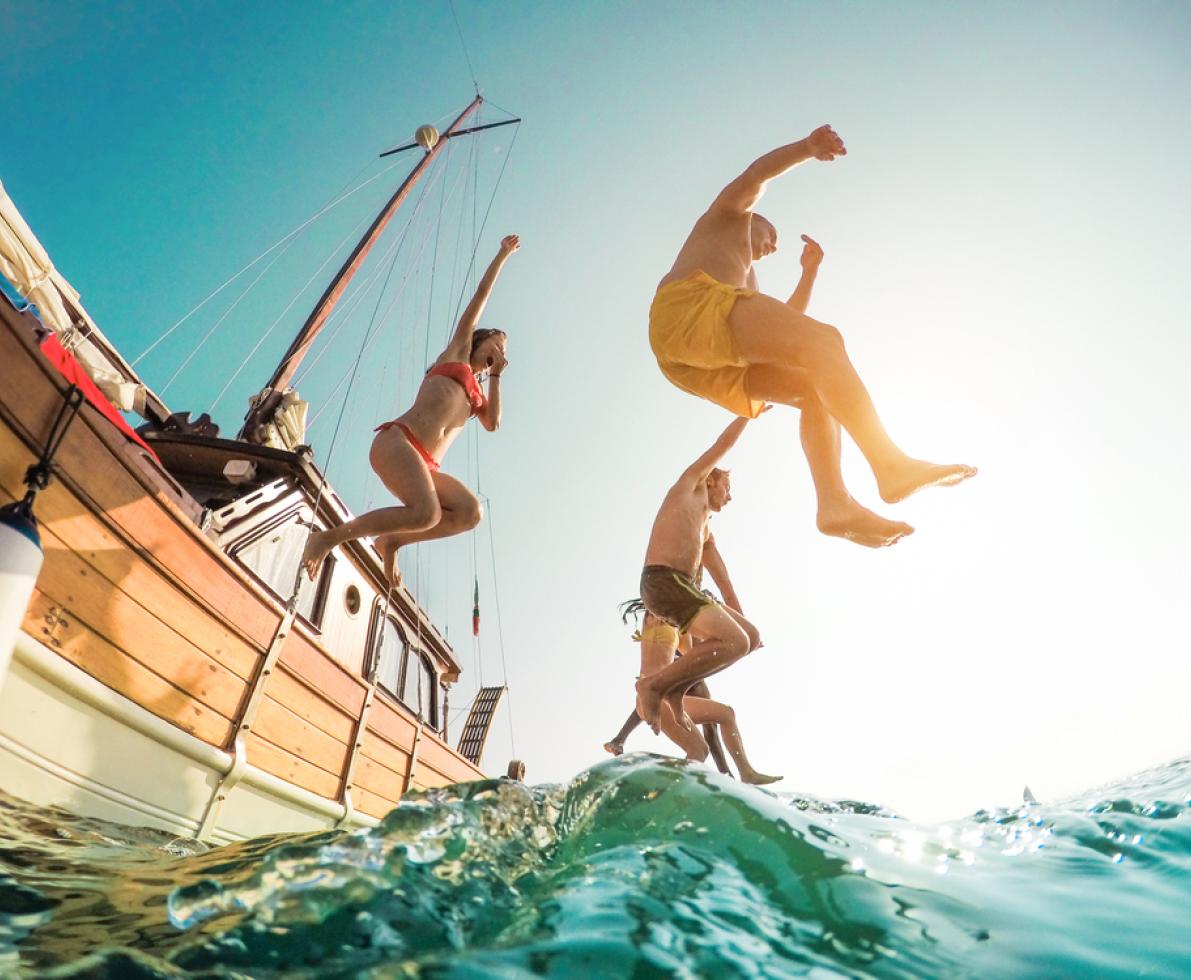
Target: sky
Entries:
(1006, 254)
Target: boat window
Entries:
(423, 689)
(404, 673)
(274, 556)
(389, 656)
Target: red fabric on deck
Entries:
(73, 372)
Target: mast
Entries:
(262, 413)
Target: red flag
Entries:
(475, 611)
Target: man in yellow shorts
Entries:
(715, 336)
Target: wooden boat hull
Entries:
(141, 678)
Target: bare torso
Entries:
(438, 414)
(719, 244)
(680, 529)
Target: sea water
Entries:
(639, 867)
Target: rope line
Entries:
(277, 244)
(463, 44)
(272, 326)
(491, 201)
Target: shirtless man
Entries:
(715, 336)
(722, 635)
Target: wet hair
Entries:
(717, 474)
(479, 336)
(765, 219)
(634, 608)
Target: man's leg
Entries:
(703, 711)
(686, 737)
(839, 515)
(722, 643)
(616, 745)
(766, 331)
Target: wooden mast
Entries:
(263, 411)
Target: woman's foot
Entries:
(754, 778)
(907, 477)
(614, 748)
(848, 520)
(387, 546)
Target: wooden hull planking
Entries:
(133, 595)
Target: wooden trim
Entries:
(64, 633)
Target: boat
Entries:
(174, 668)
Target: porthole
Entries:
(351, 600)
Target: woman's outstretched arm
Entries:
(459, 348)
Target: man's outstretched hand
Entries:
(812, 254)
(825, 144)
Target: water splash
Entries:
(638, 867)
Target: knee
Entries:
(831, 336)
(425, 515)
(471, 514)
(754, 637)
(698, 753)
(826, 341)
(737, 645)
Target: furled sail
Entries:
(26, 264)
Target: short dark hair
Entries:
(718, 474)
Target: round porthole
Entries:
(351, 600)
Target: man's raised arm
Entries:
(701, 468)
(746, 190)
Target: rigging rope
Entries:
(288, 306)
(277, 244)
(463, 44)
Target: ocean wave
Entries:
(640, 866)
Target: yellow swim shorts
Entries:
(688, 331)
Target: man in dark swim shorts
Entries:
(678, 545)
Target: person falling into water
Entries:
(676, 550)
(406, 452)
(661, 643)
(655, 632)
(715, 336)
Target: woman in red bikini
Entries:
(407, 451)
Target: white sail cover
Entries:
(26, 264)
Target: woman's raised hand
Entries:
(509, 244)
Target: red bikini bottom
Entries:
(431, 463)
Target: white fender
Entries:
(20, 561)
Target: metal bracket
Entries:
(244, 725)
(345, 797)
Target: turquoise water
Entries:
(639, 867)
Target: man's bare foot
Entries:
(315, 553)
(649, 705)
(852, 522)
(912, 475)
(387, 547)
(613, 748)
(754, 778)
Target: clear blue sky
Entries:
(1006, 253)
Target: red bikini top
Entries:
(460, 372)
